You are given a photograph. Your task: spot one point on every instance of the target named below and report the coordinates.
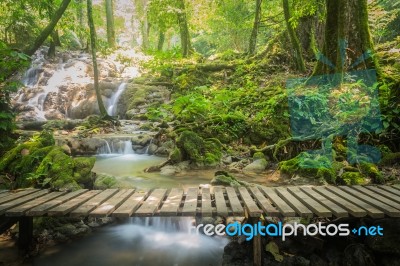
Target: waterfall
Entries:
(31, 76)
(148, 146)
(112, 108)
(116, 147)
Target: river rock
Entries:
(257, 166)
(142, 140)
(389, 242)
(105, 181)
(169, 170)
(152, 149)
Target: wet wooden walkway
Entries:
(303, 201)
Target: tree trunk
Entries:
(254, 32)
(110, 24)
(102, 109)
(49, 29)
(298, 53)
(161, 39)
(145, 33)
(347, 37)
(186, 45)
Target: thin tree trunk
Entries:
(298, 53)
(161, 39)
(254, 32)
(186, 45)
(145, 33)
(110, 24)
(49, 29)
(346, 30)
(102, 109)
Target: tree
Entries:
(346, 25)
(110, 23)
(186, 45)
(298, 53)
(92, 29)
(49, 28)
(254, 32)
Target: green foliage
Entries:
(10, 62)
(353, 178)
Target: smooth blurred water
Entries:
(140, 242)
(129, 171)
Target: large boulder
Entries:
(257, 166)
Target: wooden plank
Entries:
(4, 193)
(293, 202)
(384, 193)
(388, 210)
(390, 189)
(16, 195)
(131, 204)
(377, 196)
(251, 206)
(222, 209)
(396, 186)
(69, 205)
(234, 202)
(21, 200)
(21, 209)
(190, 205)
(279, 203)
(355, 207)
(171, 205)
(310, 203)
(206, 207)
(110, 205)
(262, 201)
(152, 203)
(93, 203)
(338, 211)
(43, 208)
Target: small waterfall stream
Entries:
(115, 146)
(113, 104)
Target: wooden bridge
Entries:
(304, 201)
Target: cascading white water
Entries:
(112, 107)
(141, 241)
(116, 147)
(31, 76)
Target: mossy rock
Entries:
(390, 158)
(372, 171)
(57, 171)
(83, 170)
(175, 155)
(222, 178)
(191, 145)
(105, 181)
(258, 155)
(305, 165)
(353, 178)
(199, 151)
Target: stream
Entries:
(139, 241)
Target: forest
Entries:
(104, 94)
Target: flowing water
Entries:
(112, 107)
(117, 158)
(141, 242)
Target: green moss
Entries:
(258, 155)
(304, 165)
(82, 169)
(222, 178)
(372, 171)
(191, 145)
(105, 181)
(390, 158)
(57, 171)
(353, 178)
(175, 155)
